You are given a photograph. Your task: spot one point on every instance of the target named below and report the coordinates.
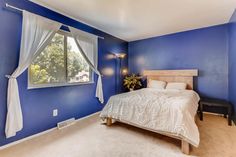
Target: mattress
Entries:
(168, 112)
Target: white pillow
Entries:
(176, 85)
(156, 84)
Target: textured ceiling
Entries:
(138, 19)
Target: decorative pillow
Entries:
(157, 84)
(176, 85)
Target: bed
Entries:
(168, 112)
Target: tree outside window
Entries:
(60, 63)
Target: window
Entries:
(59, 64)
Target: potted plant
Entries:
(132, 82)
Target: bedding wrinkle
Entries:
(165, 111)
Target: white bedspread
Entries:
(163, 111)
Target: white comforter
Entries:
(163, 111)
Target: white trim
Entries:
(73, 18)
(44, 132)
(219, 114)
(216, 114)
(61, 12)
(65, 83)
(52, 85)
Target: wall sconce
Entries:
(120, 55)
(124, 71)
(108, 71)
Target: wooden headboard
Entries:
(185, 76)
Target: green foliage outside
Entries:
(52, 65)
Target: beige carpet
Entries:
(88, 138)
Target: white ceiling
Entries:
(138, 19)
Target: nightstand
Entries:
(216, 103)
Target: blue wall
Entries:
(232, 62)
(204, 49)
(211, 50)
(37, 105)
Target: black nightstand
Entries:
(216, 103)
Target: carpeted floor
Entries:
(88, 138)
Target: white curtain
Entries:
(87, 44)
(37, 32)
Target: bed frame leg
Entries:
(185, 147)
(109, 121)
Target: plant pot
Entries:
(131, 89)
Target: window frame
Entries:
(66, 82)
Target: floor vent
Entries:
(66, 123)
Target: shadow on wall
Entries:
(204, 49)
(232, 63)
(71, 101)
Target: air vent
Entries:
(66, 123)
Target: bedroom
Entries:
(190, 42)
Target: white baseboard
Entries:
(42, 133)
(219, 114)
(211, 113)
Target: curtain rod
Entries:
(21, 10)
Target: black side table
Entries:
(216, 103)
